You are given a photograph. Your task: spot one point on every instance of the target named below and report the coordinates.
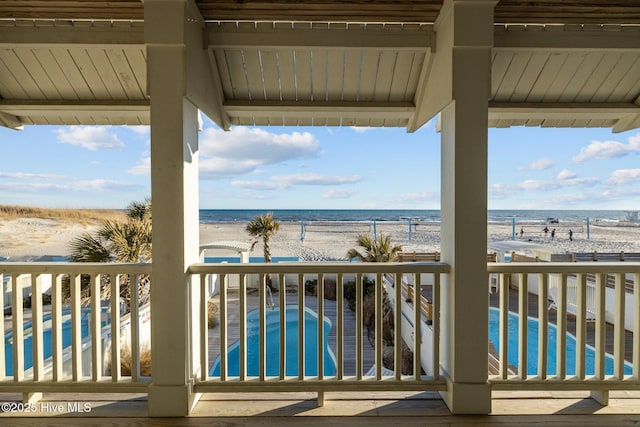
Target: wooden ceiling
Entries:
(573, 63)
(416, 11)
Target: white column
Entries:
(174, 183)
(464, 40)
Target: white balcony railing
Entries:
(76, 340)
(588, 300)
(358, 359)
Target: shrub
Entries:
(126, 363)
(310, 286)
(369, 286)
(212, 314)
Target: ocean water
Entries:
(426, 215)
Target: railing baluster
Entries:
(636, 326)
(76, 333)
(417, 326)
(56, 326)
(18, 329)
(134, 280)
(379, 325)
(523, 318)
(282, 293)
(504, 327)
(543, 325)
(320, 292)
(262, 353)
(435, 323)
(397, 325)
(618, 327)
(36, 327)
(96, 329)
(340, 326)
(561, 353)
(581, 326)
(600, 338)
(224, 318)
(359, 285)
(301, 327)
(116, 373)
(224, 325)
(204, 327)
(3, 333)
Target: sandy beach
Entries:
(26, 239)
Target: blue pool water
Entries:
(273, 345)
(532, 346)
(235, 259)
(85, 321)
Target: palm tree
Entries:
(118, 241)
(370, 250)
(263, 226)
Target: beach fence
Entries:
(404, 230)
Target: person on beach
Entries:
(546, 231)
(571, 235)
(521, 231)
(553, 234)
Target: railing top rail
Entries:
(320, 267)
(564, 267)
(73, 268)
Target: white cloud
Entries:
(24, 175)
(142, 167)
(539, 164)
(339, 193)
(89, 137)
(243, 150)
(280, 182)
(565, 174)
(416, 197)
(624, 176)
(361, 129)
(608, 149)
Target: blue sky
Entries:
(308, 168)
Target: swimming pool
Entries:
(236, 260)
(47, 341)
(272, 340)
(532, 346)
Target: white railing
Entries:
(358, 360)
(76, 360)
(580, 293)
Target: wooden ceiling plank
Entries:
(72, 73)
(254, 74)
(386, 71)
(576, 85)
(352, 75)
(562, 79)
(286, 73)
(218, 58)
(106, 73)
(41, 79)
(124, 73)
(612, 79)
(499, 66)
(546, 76)
(402, 71)
(303, 74)
(270, 75)
(319, 64)
(369, 75)
(414, 76)
(235, 64)
(629, 86)
(56, 74)
(530, 75)
(10, 87)
(512, 76)
(335, 75)
(138, 63)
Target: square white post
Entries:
(174, 184)
(464, 32)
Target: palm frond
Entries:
(86, 248)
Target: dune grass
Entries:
(76, 215)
